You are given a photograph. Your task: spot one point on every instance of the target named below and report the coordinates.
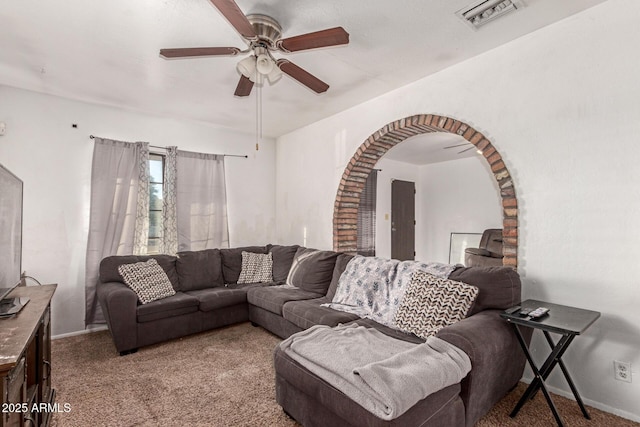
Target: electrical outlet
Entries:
(622, 371)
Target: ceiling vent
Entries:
(483, 11)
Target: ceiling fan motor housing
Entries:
(268, 29)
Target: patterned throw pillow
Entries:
(256, 268)
(430, 303)
(147, 279)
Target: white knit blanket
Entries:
(384, 375)
(373, 288)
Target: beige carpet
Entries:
(218, 378)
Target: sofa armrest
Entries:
(497, 360)
(119, 306)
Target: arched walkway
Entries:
(345, 214)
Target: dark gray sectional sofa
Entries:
(208, 296)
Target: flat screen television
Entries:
(10, 235)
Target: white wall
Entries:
(54, 161)
(561, 106)
(459, 196)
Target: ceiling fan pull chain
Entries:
(258, 110)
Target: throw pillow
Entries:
(256, 268)
(430, 303)
(282, 260)
(147, 279)
(312, 270)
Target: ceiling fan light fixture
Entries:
(274, 75)
(248, 68)
(264, 64)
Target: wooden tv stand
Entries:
(26, 395)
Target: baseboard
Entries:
(84, 331)
(588, 402)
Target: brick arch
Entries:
(345, 214)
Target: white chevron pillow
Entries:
(430, 303)
(147, 279)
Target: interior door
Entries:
(403, 220)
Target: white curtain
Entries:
(115, 179)
(201, 201)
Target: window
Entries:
(156, 182)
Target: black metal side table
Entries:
(566, 321)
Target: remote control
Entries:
(538, 312)
(512, 309)
(525, 311)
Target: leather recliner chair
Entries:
(490, 251)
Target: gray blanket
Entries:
(384, 375)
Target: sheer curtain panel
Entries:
(169, 203)
(114, 210)
(201, 201)
(366, 244)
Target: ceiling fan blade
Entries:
(244, 87)
(199, 51)
(457, 145)
(331, 37)
(466, 149)
(302, 76)
(236, 18)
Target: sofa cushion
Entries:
(312, 270)
(282, 260)
(232, 261)
(174, 305)
(430, 303)
(199, 269)
(220, 297)
(109, 267)
(256, 268)
(147, 279)
(341, 265)
(499, 287)
(272, 298)
(308, 313)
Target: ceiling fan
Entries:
(263, 36)
(461, 145)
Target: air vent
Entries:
(484, 11)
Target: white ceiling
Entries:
(431, 148)
(106, 52)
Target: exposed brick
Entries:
(468, 134)
(510, 212)
(456, 126)
(442, 122)
(513, 241)
(498, 166)
(509, 250)
(510, 261)
(510, 222)
(503, 174)
(448, 124)
(482, 144)
(488, 152)
(508, 192)
(509, 202)
(477, 137)
(494, 158)
(350, 200)
(510, 232)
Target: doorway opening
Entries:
(345, 215)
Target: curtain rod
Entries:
(164, 148)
